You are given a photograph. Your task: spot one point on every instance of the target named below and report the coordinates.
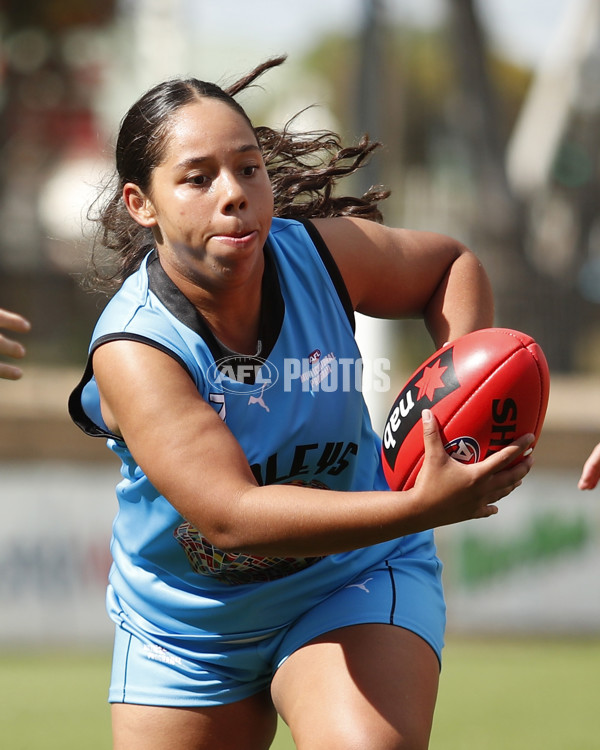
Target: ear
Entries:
(139, 205)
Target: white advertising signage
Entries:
(533, 568)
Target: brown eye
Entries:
(198, 179)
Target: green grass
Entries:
(525, 695)
(494, 695)
(54, 701)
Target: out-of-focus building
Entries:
(52, 64)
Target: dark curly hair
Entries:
(303, 168)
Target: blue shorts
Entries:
(405, 592)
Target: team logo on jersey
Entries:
(238, 568)
(464, 449)
(315, 370)
(255, 373)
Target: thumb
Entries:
(432, 441)
(430, 425)
(434, 453)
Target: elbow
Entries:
(225, 519)
(224, 537)
(228, 533)
(228, 542)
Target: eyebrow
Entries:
(193, 160)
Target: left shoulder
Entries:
(351, 235)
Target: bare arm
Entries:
(11, 321)
(400, 273)
(192, 458)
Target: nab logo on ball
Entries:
(464, 449)
(485, 389)
(430, 385)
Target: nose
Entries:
(233, 195)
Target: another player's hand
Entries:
(591, 471)
(451, 491)
(10, 321)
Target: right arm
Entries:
(193, 459)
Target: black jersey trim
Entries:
(75, 407)
(173, 298)
(332, 270)
(393, 586)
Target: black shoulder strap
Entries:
(332, 269)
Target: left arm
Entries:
(401, 273)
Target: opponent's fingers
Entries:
(11, 348)
(10, 372)
(591, 471)
(586, 483)
(14, 322)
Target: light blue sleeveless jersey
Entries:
(296, 411)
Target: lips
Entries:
(236, 239)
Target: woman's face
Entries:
(210, 201)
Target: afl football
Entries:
(486, 389)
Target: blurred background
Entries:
(489, 112)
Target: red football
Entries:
(486, 389)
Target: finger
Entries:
(431, 430)
(516, 472)
(505, 482)
(591, 471)
(487, 511)
(11, 348)
(10, 372)
(14, 322)
(588, 479)
(503, 458)
(491, 507)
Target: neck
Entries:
(232, 313)
(229, 303)
(237, 327)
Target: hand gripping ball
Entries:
(486, 389)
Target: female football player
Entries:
(262, 565)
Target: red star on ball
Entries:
(431, 379)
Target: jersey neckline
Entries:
(272, 309)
